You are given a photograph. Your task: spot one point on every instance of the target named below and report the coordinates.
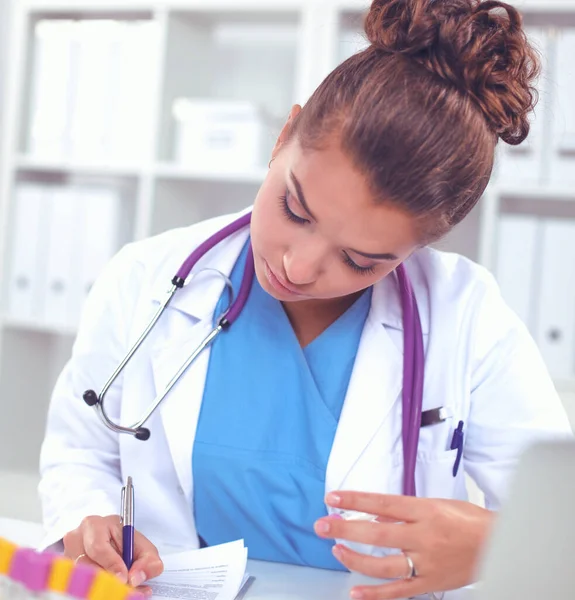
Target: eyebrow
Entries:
(301, 198)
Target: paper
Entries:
(215, 573)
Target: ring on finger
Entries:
(410, 566)
(78, 558)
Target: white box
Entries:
(218, 135)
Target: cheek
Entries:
(268, 226)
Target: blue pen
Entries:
(457, 442)
(128, 523)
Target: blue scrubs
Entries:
(266, 427)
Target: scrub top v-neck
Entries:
(267, 423)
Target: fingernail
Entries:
(336, 516)
(148, 592)
(356, 594)
(337, 552)
(322, 526)
(137, 578)
(121, 575)
(333, 499)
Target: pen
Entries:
(128, 523)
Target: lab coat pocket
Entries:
(433, 479)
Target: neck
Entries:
(310, 318)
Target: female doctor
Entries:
(301, 397)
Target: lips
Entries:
(278, 284)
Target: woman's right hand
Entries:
(98, 541)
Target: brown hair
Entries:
(420, 111)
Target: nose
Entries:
(301, 265)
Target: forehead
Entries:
(345, 207)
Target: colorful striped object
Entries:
(27, 574)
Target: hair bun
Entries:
(477, 46)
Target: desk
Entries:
(273, 581)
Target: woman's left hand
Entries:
(443, 538)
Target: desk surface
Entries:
(273, 581)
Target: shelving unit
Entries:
(273, 54)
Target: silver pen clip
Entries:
(123, 504)
(128, 503)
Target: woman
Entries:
(302, 396)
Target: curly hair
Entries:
(420, 111)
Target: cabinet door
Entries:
(563, 144)
(525, 163)
(518, 246)
(556, 310)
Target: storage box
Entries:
(218, 135)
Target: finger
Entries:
(144, 589)
(73, 545)
(398, 508)
(389, 567)
(147, 562)
(396, 590)
(385, 535)
(98, 546)
(86, 561)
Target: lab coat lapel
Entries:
(374, 386)
(186, 323)
(181, 408)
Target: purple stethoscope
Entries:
(413, 353)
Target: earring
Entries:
(271, 161)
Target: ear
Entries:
(296, 108)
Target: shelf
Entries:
(534, 192)
(179, 172)
(142, 5)
(32, 326)
(28, 163)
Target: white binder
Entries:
(58, 279)
(563, 163)
(518, 247)
(130, 116)
(525, 163)
(98, 229)
(51, 89)
(90, 110)
(556, 314)
(29, 234)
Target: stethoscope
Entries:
(413, 353)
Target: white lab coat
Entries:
(481, 365)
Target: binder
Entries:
(52, 82)
(29, 236)
(517, 261)
(131, 101)
(57, 282)
(90, 111)
(524, 164)
(563, 162)
(556, 311)
(98, 239)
